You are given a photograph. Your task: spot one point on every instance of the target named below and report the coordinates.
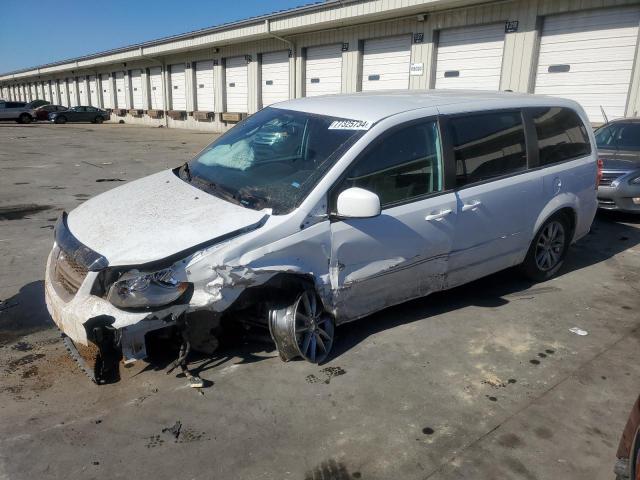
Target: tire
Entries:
(302, 329)
(60, 120)
(635, 466)
(98, 119)
(25, 118)
(548, 249)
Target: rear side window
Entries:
(488, 145)
(561, 135)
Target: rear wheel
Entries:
(25, 118)
(302, 329)
(61, 119)
(98, 119)
(548, 249)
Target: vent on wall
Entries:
(559, 68)
(452, 74)
(373, 77)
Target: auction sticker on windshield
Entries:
(350, 125)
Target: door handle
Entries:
(438, 216)
(471, 206)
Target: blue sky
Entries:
(33, 32)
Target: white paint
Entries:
(156, 91)
(136, 89)
(205, 94)
(121, 91)
(105, 81)
(323, 71)
(275, 77)
(599, 48)
(385, 63)
(470, 57)
(82, 91)
(236, 84)
(93, 91)
(177, 87)
(71, 86)
(62, 88)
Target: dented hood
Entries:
(156, 217)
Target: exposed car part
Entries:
(302, 329)
(548, 249)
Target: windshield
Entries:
(619, 136)
(272, 159)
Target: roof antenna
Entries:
(606, 120)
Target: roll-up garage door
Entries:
(385, 63)
(323, 72)
(105, 82)
(71, 86)
(34, 94)
(156, 93)
(470, 57)
(55, 92)
(136, 89)
(178, 84)
(39, 90)
(93, 90)
(205, 98)
(121, 92)
(236, 84)
(62, 88)
(275, 77)
(588, 57)
(82, 91)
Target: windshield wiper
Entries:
(187, 171)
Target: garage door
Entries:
(385, 63)
(236, 84)
(121, 92)
(275, 77)
(205, 98)
(136, 89)
(93, 90)
(470, 57)
(34, 94)
(55, 92)
(105, 82)
(155, 83)
(178, 96)
(62, 88)
(588, 57)
(71, 87)
(323, 72)
(82, 91)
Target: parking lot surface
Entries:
(485, 381)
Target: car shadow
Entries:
(24, 313)
(609, 236)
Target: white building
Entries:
(586, 50)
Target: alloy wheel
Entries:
(550, 246)
(313, 328)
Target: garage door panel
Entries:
(205, 97)
(156, 90)
(275, 77)
(178, 87)
(599, 49)
(106, 90)
(470, 57)
(136, 89)
(236, 72)
(323, 70)
(385, 63)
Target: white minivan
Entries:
(319, 211)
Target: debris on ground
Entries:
(578, 331)
(174, 430)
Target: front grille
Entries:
(68, 273)
(609, 177)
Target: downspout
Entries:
(165, 96)
(292, 47)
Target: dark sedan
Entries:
(80, 114)
(619, 148)
(42, 113)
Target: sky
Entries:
(34, 32)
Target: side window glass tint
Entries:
(407, 164)
(488, 145)
(561, 135)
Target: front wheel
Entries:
(98, 119)
(60, 120)
(548, 249)
(302, 329)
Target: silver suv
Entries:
(21, 112)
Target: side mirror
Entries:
(358, 203)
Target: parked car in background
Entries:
(321, 211)
(628, 464)
(37, 103)
(80, 114)
(42, 113)
(619, 149)
(20, 112)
